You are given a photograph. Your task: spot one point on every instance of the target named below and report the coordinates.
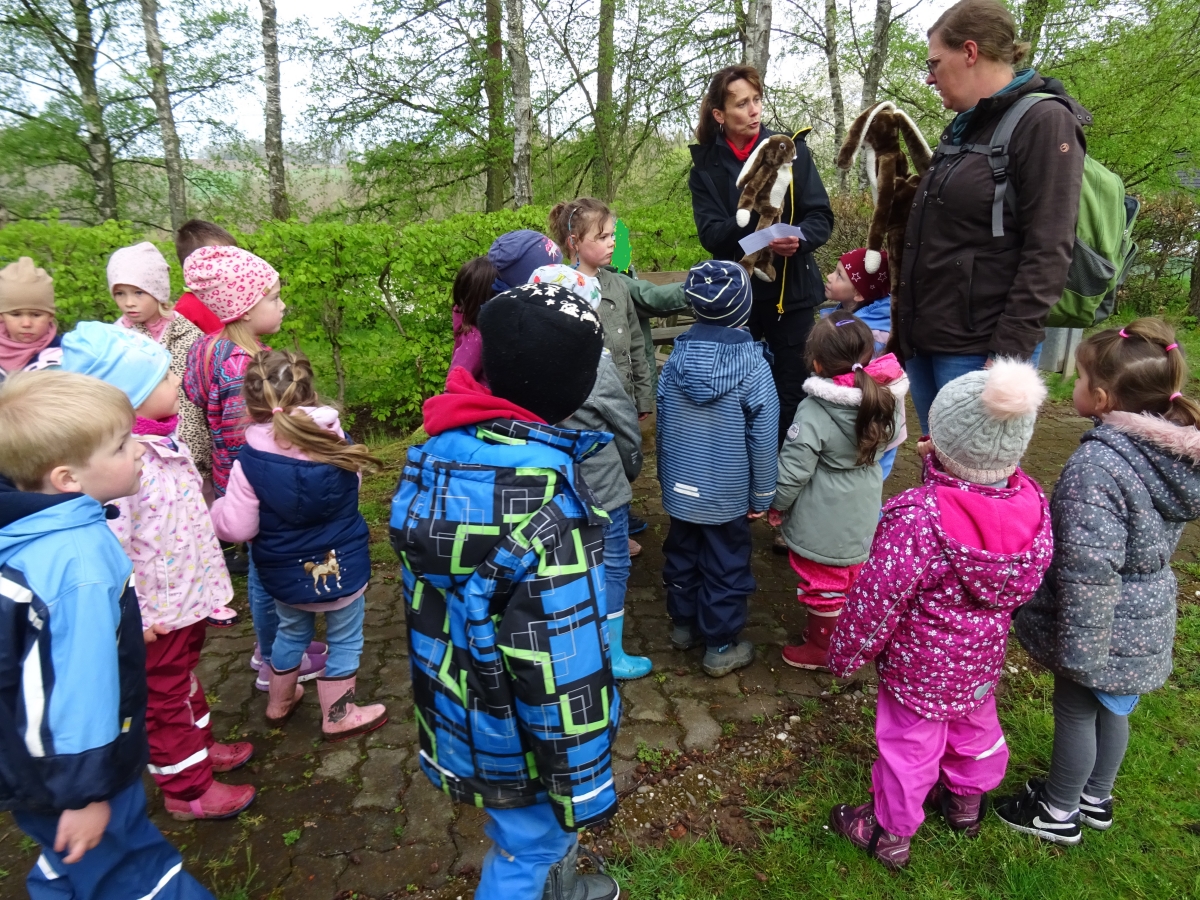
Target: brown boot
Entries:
(341, 717)
(283, 696)
(859, 825)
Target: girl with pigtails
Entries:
(1103, 620)
(293, 491)
(830, 486)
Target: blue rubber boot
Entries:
(625, 667)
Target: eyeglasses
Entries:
(932, 63)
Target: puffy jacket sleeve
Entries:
(885, 588)
(653, 300)
(195, 378)
(235, 515)
(566, 700)
(761, 407)
(798, 455)
(1048, 149)
(1085, 576)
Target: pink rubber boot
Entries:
(341, 717)
(283, 696)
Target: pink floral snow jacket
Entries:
(932, 606)
(178, 570)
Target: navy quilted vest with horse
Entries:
(313, 543)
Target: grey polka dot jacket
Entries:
(1105, 614)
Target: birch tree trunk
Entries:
(602, 164)
(756, 47)
(522, 105)
(493, 86)
(274, 113)
(176, 191)
(879, 51)
(835, 85)
(83, 64)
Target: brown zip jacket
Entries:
(964, 292)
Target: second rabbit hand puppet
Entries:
(879, 129)
(764, 181)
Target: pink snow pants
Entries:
(968, 754)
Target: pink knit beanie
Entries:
(141, 266)
(228, 280)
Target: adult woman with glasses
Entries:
(730, 128)
(965, 294)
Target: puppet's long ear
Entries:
(750, 162)
(858, 132)
(918, 149)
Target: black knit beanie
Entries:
(541, 348)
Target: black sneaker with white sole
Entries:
(1028, 813)
(1096, 815)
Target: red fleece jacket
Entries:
(467, 402)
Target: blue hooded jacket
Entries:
(72, 657)
(501, 547)
(718, 426)
(313, 544)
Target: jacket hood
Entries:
(26, 517)
(467, 402)
(1165, 456)
(709, 361)
(843, 395)
(1038, 84)
(998, 541)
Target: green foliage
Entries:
(290, 837)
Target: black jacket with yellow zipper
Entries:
(713, 183)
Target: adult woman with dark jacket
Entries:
(730, 128)
(966, 296)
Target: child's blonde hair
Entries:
(1142, 368)
(276, 383)
(54, 418)
(241, 333)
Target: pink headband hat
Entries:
(141, 266)
(228, 280)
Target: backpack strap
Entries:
(996, 151)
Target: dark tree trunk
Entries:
(493, 85)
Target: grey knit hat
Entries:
(981, 422)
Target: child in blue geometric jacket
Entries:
(73, 727)
(501, 548)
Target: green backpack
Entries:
(1104, 249)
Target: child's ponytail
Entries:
(1143, 368)
(279, 381)
(843, 344)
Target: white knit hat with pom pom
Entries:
(982, 422)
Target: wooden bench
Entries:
(670, 327)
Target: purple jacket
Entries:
(950, 563)
(468, 349)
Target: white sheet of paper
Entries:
(756, 240)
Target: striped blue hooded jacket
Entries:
(72, 658)
(501, 547)
(718, 426)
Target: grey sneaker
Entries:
(565, 883)
(686, 637)
(720, 661)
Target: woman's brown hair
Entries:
(577, 219)
(1141, 368)
(986, 22)
(473, 288)
(716, 96)
(842, 344)
(276, 383)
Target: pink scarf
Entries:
(161, 427)
(157, 330)
(884, 370)
(15, 356)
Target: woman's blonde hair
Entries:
(986, 22)
(1142, 368)
(279, 381)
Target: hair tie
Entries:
(857, 367)
(1170, 347)
(1175, 396)
(1123, 334)
(277, 410)
(841, 322)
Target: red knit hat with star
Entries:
(869, 287)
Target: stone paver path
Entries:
(359, 817)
